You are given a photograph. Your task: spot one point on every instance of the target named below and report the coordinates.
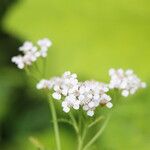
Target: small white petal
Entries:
(96, 97)
(20, 65)
(39, 86)
(133, 90)
(105, 89)
(143, 85)
(111, 72)
(56, 88)
(56, 96)
(81, 97)
(67, 73)
(76, 106)
(109, 105)
(90, 113)
(85, 107)
(64, 104)
(129, 72)
(82, 90)
(64, 92)
(66, 109)
(111, 86)
(91, 104)
(74, 75)
(44, 42)
(120, 71)
(123, 84)
(90, 96)
(125, 93)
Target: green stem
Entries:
(55, 123)
(81, 139)
(38, 70)
(79, 142)
(44, 66)
(75, 125)
(96, 135)
(96, 121)
(28, 72)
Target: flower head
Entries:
(31, 52)
(75, 94)
(18, 60)
(44, 43)
(92, 94)
(126, 81)
(44, 84)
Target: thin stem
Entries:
(81, 139)
(44, 66)
(74, 123)
(28, 72)
(79, 142)
(36, 143)
(55, 123)
(96, 135)
(84, 133)
(96, 121)
(38, 70)
(65, 121)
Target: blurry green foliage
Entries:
(88, 38)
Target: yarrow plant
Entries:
(31, 52)
(126, 81)
(79, 99)
(75, 94)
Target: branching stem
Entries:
(55, 123)
(96, 135)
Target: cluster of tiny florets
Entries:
(88, 94)
(126, 81)
(93, 94)
(31, 52)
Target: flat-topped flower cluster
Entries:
(90, 94)
(126, 81)
(31, 52)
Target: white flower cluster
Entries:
(88, 94)
(126, 81)
(92, 94)
(31, 52)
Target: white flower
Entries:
(43, 52)
(67, 85)
(109, 105)
(44, 43)
(27, 46)
(88, 94)
(31, 53)
(70, 101)
(18, 60)
(125, 93)
(90, 113)
(44, 84)
(126, 81)
(56, 96)
(93, 94)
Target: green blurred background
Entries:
(89, 37)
